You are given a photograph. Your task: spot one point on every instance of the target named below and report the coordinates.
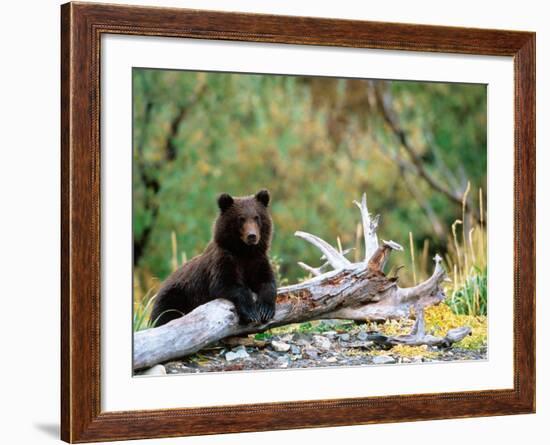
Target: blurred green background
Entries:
(418, 149)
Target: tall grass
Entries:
(145, 290)
(468, 294)
(465, 261)
(142, 310)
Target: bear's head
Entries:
(244, 223)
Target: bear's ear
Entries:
(225, 201)
(263, 197)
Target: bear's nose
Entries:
(251, 237)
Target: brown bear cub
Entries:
(233, 266)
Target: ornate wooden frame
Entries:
(81, 28)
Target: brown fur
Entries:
(234, 266)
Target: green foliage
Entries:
(276, 265)
(263, 336)
(142, 310)
(315, 143)
(471, 297)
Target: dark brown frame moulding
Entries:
(82, 25)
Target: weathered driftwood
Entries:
(357, 291)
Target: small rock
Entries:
(331, 360)
(344, 337)
(283, 361)
(300, 337)
(417, 359)
(311, 353)
(280, 346)
(405, 360)
(236, 354)
(295, 349)
(273, 354)
(230, 356)
(156, 370)
(362, 336)
(360, 344)
(330, 334)
(321, 342)
(383, 360)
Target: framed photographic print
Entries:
(274, 222)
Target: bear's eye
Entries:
(257, 218)
(242, 219)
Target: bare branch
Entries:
(384, 101)
(392, 245)
(335, 258)
(314, 270)
(369, 227)
(428, 291)
(344, 252)
(378, 260)
(418, 336)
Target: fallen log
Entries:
(352, 291)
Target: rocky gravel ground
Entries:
(309, 350)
